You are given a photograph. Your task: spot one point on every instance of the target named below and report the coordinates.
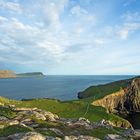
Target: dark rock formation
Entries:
(126, 100)
(132, 96)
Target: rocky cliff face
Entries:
(125, 100)
(132, 96)
(7, 74)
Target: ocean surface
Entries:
(59, 87)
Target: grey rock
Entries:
(114, 137)
(80, 138)
(26, 136)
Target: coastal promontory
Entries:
(7, 74)
(12, 74)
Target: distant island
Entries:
(12, 74)
(29, 74)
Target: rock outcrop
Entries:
(126, 100)
(40, 124)
(7, 74)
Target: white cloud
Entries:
(3, 19)
(13, 6)
(78, 11)
(128, 28)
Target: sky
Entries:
(70, 37)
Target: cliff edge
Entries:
(7, 74)
(126, 100)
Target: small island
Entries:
(30, 74)
(12, 74)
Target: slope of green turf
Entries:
(96, 92)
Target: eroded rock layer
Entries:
(125, 100)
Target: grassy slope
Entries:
(70, 109)
(67, 109)
(96, 92)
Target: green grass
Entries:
(12, 130)
(7, 112)
(73, 109)
(97, 92)
(70, 109)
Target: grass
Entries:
(7, 112)
(12, 130)
(70, 109)
(97, 92)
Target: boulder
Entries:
(50, 116)
(2, 118)
(81, 137)
(57, 131)
(26, 136)
(13, 122)
(114, 137)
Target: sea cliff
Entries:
(7, 74)
(124, 101)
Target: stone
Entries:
(26, 136)
(84, 119)
(13, 122)
(2, 118)
(79, 123)
(81, 137)
(25, 109)
(113, 137)
(39, 115)
(57, 131)
(50, 116)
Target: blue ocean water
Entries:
(59, 87)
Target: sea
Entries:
(62, 87)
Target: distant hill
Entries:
(7, 74)
(30, 74)
(11, 74)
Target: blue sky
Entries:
(70, 36)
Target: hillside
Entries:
(30, 74)
(7, 74)
(99, 91)
(125, 100)
(48, 118)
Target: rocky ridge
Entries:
(42, 125)
(126, 100)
